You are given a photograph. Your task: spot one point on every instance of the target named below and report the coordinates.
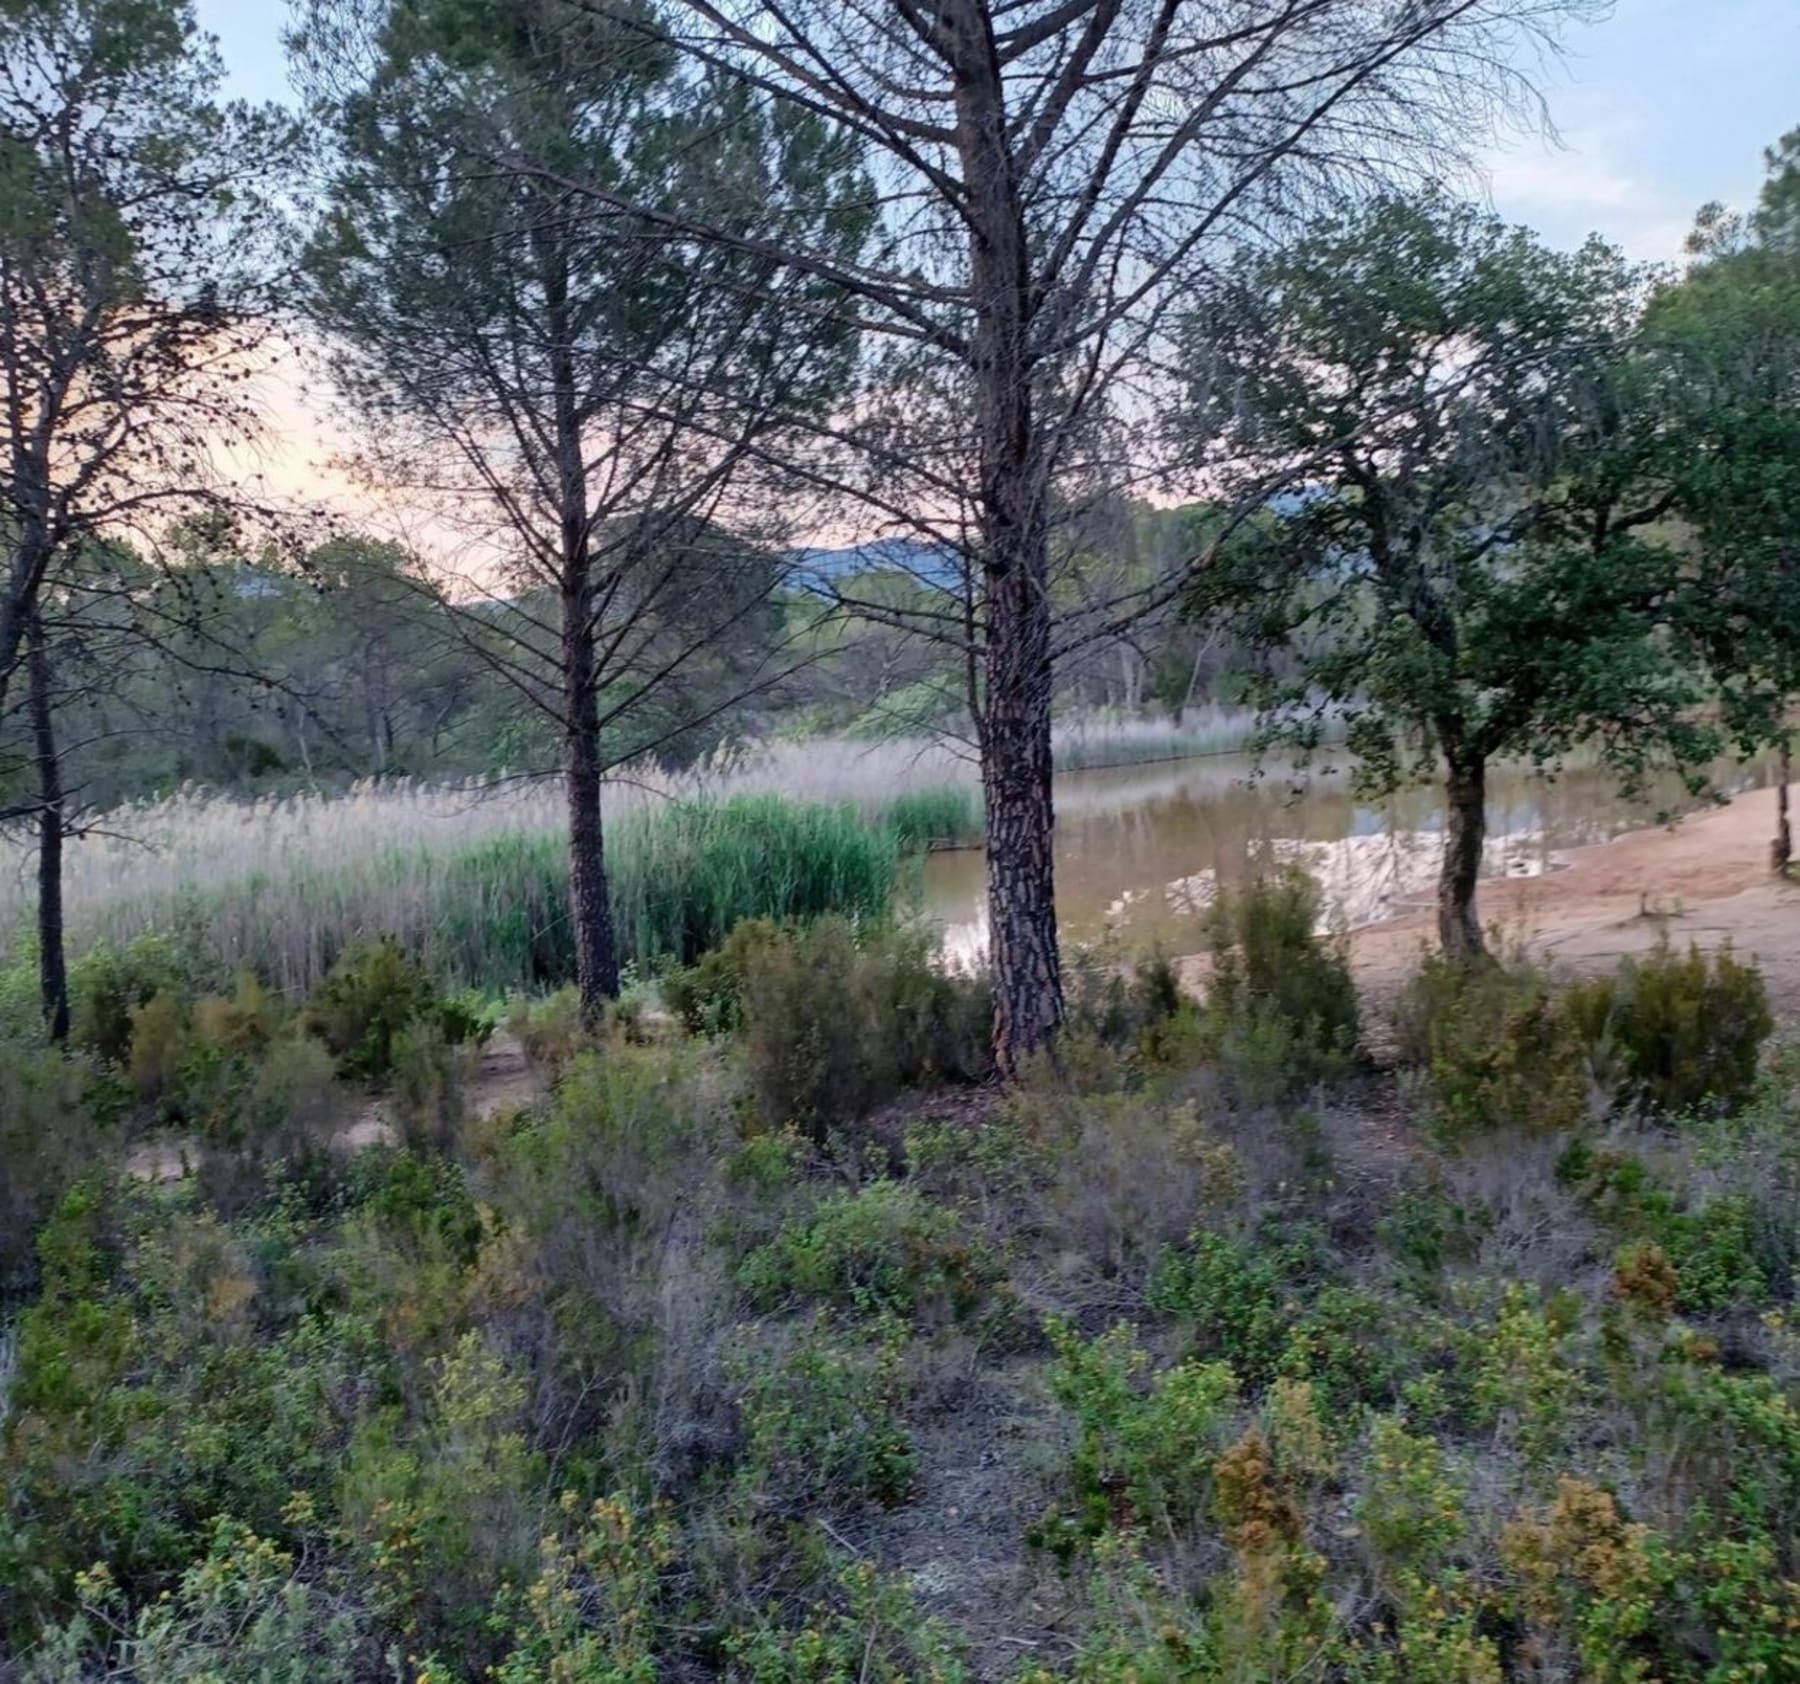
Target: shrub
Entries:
(107, 983)
(587, 1616)
(1142, 1010)
(1410, 1510)
(882, 1250)
(1277, 981)
(1496, 1049)
(241, 1614)
(868, 1631)
(1233, 1299)
(708, 996)
(822, 1420)
(1581, 1569)
(440, 1513)
(833, 1026)
(1525, 1386)
(1124, 1174)
(1715, 1254)
(371, 995)
(55, 1115)
(1145, 1444)
(160, 1384)
(1680, 1032)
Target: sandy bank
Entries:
(1704, 879)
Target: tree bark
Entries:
(590, 904)
(1783, 848)
(53, 973)
(18, 601)
(1465, 833)
(1014, 510)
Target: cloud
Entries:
(1587, 180)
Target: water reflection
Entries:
(1140, 851)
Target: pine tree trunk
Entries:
(1465, 834)
(1783, 848)
(590, 904)
(1016, 782)
(53, 974)
(1014, 507)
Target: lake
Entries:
(1140, 850)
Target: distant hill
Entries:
(930, 564)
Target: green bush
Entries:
(868, 1632)
(374, 993)
(708, 995)
(1680, 1032)
(1277, 983)
(882, 1249)
(1145, 1443)
(1719, 1247)
(1233, 1299)
(1143, 1011)
(57, 1120)
(240, 1614)
(834, 1025)
(107, 983)
(822, 1420)
(1496, 1048)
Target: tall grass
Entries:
(1097, 741)
(493, 913)
(934, 818)
(472, 874)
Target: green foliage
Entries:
(833, 1025)
(708, 995)
(883, 1250)
(1729, 333)
(686, 875)
(107, 984)
(1410, 1511)
(1717, 1250)
(1496, 1048)
(925, 818)
(1280, 995)
(1145, 1442)
(1233, 1297)
(371, 997)
(588, 1616)
(439, 1509)
(155, 1389)
(1476, 571)
(57, 1117)
(1682, 1033)
(1142, 1011)
(240, 1614)
(869, 1632)
(1394, 1424)
(1525, 1384)
(822, 1419)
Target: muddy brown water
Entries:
(1141, 850)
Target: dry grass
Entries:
(282, 880)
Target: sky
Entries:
(1658, 108)
(1654, 110)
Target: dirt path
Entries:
(1704, 879)
(960, 1542)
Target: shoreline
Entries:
(1704, 878)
